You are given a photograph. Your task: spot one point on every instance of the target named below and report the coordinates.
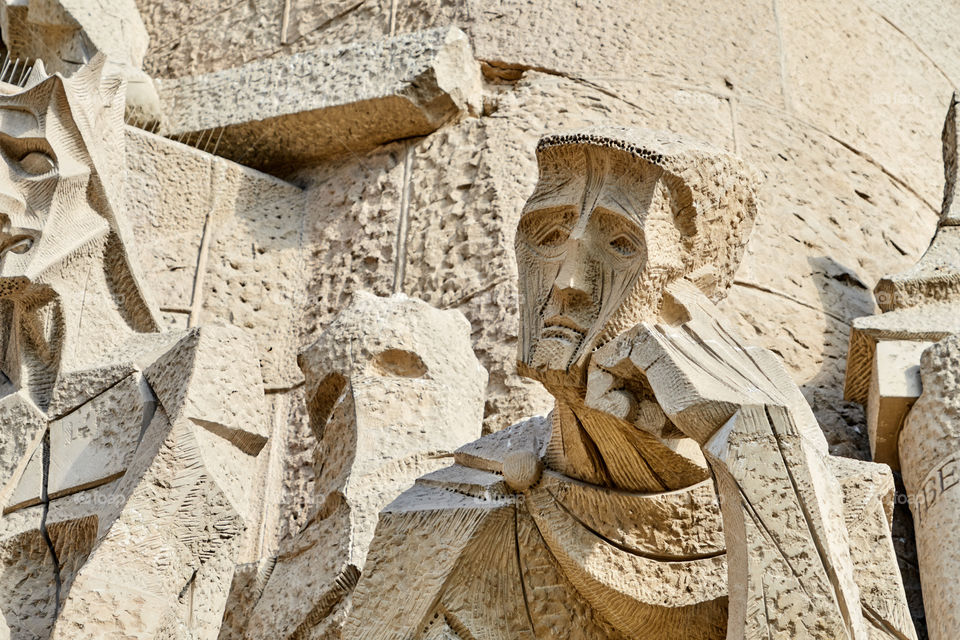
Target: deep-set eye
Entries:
(553, 236)
(21, 246)
(624, 246)
(37, 163)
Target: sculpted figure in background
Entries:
(126, 454)
(681, 488)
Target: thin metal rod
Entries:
(218, 140)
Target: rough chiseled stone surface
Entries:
(842, 120)
(392, 388)
(283, 113)
(132, 495)
(839, 107)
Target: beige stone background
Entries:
(838, 104)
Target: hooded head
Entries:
(617, 214)
(61, 189)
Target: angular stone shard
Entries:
(23, 428)
(275, 114)
(202, 380)
(392, 388)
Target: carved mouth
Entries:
(562, 328)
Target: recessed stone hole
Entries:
(400, 363)
(321, 405)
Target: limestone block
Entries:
(131, 584)
(935, 278)
(64, 34)
(392, 389)
(802, 309)
(894, 387)
(169, 237)
(278, 114)
(920, 306)
(89, 446)
(40, 557)
(203, 380)
(23, 429)
(224, 248)
(27, 577)
(135, 483)
(950, 212)
(350, 235)
(613, 39)
(928, 24)
(178, 515)
(868, 501)
(75, 388)
(929, 447)
(254, 269)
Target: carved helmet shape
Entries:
(62, 142)
(694, 204)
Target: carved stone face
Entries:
(595, 245)
(44, 178)
(44, 213)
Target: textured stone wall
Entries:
(838, 105)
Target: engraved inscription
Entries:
(942, 478)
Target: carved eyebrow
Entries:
(17, 122)
(560, 210)
(636, 224)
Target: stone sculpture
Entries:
(126, 453)
(894, 358)
(392, 387)
(681, 487)
(65, 34)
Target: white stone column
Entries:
(930, 462)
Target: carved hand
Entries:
(782, 515)
(688, 368)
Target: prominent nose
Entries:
(12, 204)
(573, 282)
